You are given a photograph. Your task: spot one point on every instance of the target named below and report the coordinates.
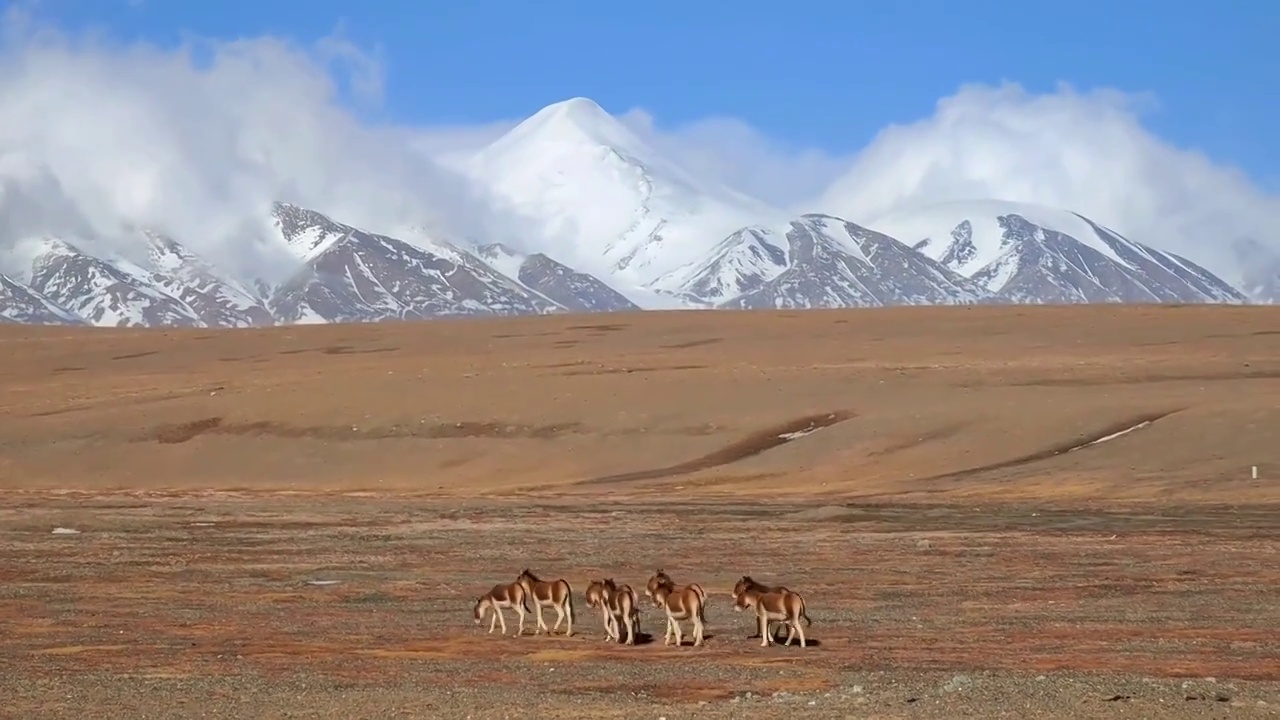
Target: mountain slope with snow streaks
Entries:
(605, 202)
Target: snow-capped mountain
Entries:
(822, 262)
(350, 275)
(739, 264)
(344, 274)
(575, 291)
(20, 304)
(1025, 253)
(614, 225)
(106, 292)
(216, 300)
(608, 203)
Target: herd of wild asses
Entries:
(620, 607)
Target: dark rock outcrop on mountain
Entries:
(981, 253)
(572, 290)
(829, 263)
(22, 305)
(354, 276)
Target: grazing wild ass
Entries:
(781, 605)
(554, 594)
(502, 595)
(615, 602)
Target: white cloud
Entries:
(199, 140)
(453, 145)
(724, 149)
(1083, 151)
(736, 154)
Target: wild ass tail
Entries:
(702, 601)
(568, 601)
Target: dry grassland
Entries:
(1031, 512)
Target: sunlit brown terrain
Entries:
(1058, 504)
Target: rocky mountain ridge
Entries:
(621, 228)
(817, 261)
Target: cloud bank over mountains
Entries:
(197, 141)
(1084, 151)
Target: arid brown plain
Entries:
(1058, 505)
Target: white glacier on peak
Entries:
(607, 202)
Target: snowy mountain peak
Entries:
(968, 234)
(578, 109)
(305, 232)
(739, 264)
(106, 292)
(21, 304)
(503, 258)
(830, 262)
(577, 121)
(42, 253)
(352, 275)
(1023, 252)
(166, 254)
(605, 201)
(216, 300)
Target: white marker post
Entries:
(1255, 472)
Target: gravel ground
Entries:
(873, 694)
(201, 606)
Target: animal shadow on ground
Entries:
(688, 638)
(642, 638)
(780, 640)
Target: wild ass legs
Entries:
(782, 605)
(554, 594)
(502, 595)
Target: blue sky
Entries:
(821, 74)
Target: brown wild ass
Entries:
(680, 603)
(502, 595)
(781, 605)
(595, 599)
(615, 602)
(624, 604)
(746, 582)
(554, 594)
(660, 577)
